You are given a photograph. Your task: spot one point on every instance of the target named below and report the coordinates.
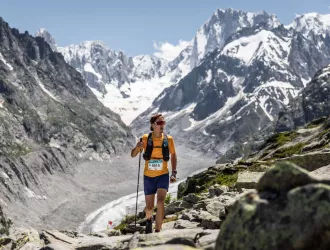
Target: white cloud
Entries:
(169, 51)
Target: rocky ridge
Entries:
(49, 122)
(262, 202)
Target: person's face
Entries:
(159, 124)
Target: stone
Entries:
(217, 190)
(164, 236)
(183, 224)
(209, 221)
(305, 206)
(209, 236)
(248, 179)
(191, 198)
(284, 176)
(216, 208)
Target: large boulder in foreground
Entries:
(291, 210)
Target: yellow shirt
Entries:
(157, 154)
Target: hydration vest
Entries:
(150, 147)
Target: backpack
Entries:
(150, 147)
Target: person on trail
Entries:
(158, 149)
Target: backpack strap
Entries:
(150, 147)
(165, 149)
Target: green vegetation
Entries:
(16, 150)
(128, 219)
(4, 224)
(168, 199)
(121, 226)
(280, 139)
(316, 122)
(311, 162)
(221, 179)
(288, 151)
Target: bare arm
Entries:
(137, 149)
(173, 161)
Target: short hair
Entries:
(153, 119)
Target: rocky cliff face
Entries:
(239, 90)
(45, 102)
(49, 121)
(312, 102)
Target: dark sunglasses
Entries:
(160, 123)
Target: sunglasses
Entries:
(160, 123)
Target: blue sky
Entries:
(135, 26)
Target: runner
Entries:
(158, 149)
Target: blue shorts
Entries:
(151, 184)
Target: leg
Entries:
(150, 189)
(150, 201)
(161, 194)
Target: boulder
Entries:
(248, 179)
(296, 218)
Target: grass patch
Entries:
(121, 226)
(280, 139)
(221, 179)
(128, 219)
(168, 199)
(226, 179)
(288, 151)
(316, 122)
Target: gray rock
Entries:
(209, 221)
(200, 206)
(209, 237)
(183, 224)
(283, 177)
(191, 198)
(322, 173)
(168, 225)
(216, 208)
(192, 215)
(168, 247)
(133, 243)
(302, 204)
(176, 206)
(217, 190)
(167, 235)
(248, 179)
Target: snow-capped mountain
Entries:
(48, 38)
(222, 24)
(128, 85)
(311, 24)
(312, 102)
(239, 64)
(239, 89)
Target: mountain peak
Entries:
(47, 37)
(222, 24)
(311, 22)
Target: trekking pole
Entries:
(137, 189)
